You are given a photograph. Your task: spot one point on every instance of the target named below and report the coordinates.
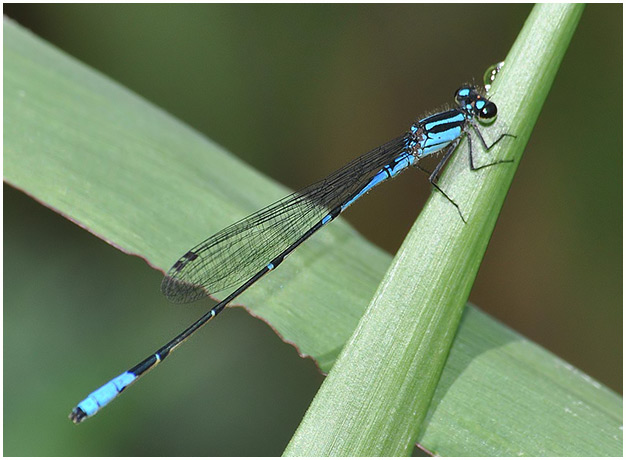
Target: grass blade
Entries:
(377, 396)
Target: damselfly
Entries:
(242, 253)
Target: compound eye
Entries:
(463, 94)
(488, 111)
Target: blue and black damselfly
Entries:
(242, 253)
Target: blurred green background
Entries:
(298, 91)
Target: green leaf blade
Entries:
(151, 186)
(376, 397)
(502, 395)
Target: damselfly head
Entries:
(471, 101)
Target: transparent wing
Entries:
(236, 253)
